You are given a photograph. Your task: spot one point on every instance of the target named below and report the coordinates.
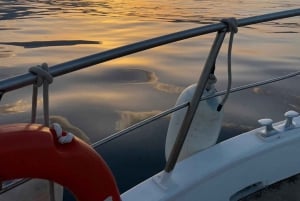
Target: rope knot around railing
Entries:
(43, 78)
(232, 25)
(41, 71)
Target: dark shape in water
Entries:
(37, 44)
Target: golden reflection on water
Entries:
(90, 97)
(116, 94)
(150, 78)
(19, 106)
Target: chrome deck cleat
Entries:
(268, 128)
(290, 115)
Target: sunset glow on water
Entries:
(33, 32)
(111, 96)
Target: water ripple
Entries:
(202, 12)
(38, 44)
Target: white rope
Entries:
(232, 28)
(43, 78)
(66, 139)
(62, 139)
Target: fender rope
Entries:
(232, 27)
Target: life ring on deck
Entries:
(33, 151)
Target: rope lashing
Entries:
(43, 78)
(62, 139)
(232, 27)
(42, 74)
(231, 23)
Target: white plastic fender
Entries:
(205, 127)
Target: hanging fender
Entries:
(33, 151)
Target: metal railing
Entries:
(77, 64)
(186, 104)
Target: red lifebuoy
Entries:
(32, 151)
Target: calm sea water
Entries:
(108, 97)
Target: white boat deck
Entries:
(227, 171)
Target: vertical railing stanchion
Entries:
(195, 101)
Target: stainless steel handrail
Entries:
(77, 64)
